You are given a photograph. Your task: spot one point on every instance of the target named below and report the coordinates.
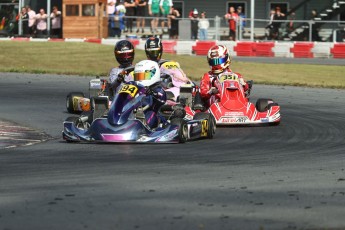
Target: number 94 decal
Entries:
(130, 89)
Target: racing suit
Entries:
(155, 98)
(118, 75)
(209, 84)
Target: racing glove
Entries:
(120, 78)
(213, 91)
(149, 91)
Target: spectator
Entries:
(232, 18)
(242, 18)
(32, 20)
(276, 24)
(315, 27)
(269, 26)
(110, 11)
(203, 25)
(119, 22)
(194, 17)
(130, 10)
(25, 21)
(165, 7)
(173, 33)
(56, 22)
(153, 7)
(290, 24)
(141, 5)
(41, 23)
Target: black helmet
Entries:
(124, 53)
(154, 48)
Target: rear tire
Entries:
(69, 101)
(183, 129)
(211, 123)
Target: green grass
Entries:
(94, 59)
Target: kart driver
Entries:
(171, 73)
(154, 51)
(147, 73)
(124, 55)
(219, 60)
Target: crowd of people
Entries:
(164, 18)
(282, 24)
(129, 16)
(35, 24)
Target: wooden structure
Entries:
(85, 19)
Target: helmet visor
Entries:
(154, 52)
(140, 76)
(217, 61)
(126, 54)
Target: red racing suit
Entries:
(210, 80)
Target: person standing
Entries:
(203, 25)
(153, 7)
(173, 33)
(32, 20)
(56, 22)
(242, 18)
(194, 17)
(111, 11)
(276, 24)
(165, 7)
(315, 27)
(130, 12)
(25, 21)
(119, 21)
(41, 23)
(141, 5)
(232, 18)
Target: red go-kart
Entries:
(234, 108)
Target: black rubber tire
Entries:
(69, 101)
(211, 123)
(262, 104)
(183, 129)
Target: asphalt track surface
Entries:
(290, 176)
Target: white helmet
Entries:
(146, 73)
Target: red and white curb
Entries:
(236, 48)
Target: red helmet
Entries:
(218, 58)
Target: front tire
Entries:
(183, 129)
(263, 104)
(211, 123)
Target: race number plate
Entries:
(230, 76)
(171, 65)
(130, 89)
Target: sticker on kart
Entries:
(225, 77)
(171, 65)
(234, 119)
(129, 89)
